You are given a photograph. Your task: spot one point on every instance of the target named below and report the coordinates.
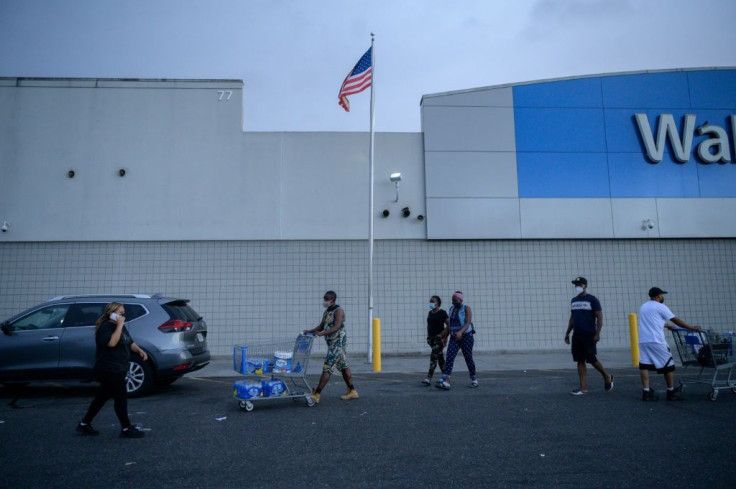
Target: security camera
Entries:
(405, 212)
(650, 225)
(420, 217)
(5, 227)
(385, 213)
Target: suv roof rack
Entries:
(127, 296)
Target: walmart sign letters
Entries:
(715, 149)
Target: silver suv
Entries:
(55, 340)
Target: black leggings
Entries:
(112, 385)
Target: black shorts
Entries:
(584, 349)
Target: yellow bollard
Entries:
(376, 345)
(634, 335)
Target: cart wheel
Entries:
(733, 389)
(247, 405)
(310, 401)
(713, 395)
(241, 404)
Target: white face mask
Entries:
(326, 304)
(579, 289)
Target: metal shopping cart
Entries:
(273, 370)
(707, 352)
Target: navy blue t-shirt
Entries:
(583, 314)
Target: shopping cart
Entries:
(273, 370)
(707, 352)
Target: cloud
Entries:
(552, 18)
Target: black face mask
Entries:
(456, 303)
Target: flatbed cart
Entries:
(708, 352)
(273, 370)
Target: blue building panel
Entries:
(713, 89)
(579, 138)
(717, 180)
(563, 175)
(622, 134)
(560, 130)
(582, 92)
(632, 175)
(651, 90)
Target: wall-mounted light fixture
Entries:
(405, 212)
(6, 227)
(647, 224)
(396, 178)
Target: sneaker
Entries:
(674, 395)
(86, 429)
(132, 431)
(649, 395)
(315, 396)
(427, 381)
(608, 386)
(443, 384)
(578, 392)
(351, 394)
(473, 384)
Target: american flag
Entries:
(357, 80)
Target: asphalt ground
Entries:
(520, 428)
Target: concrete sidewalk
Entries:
(222, 366)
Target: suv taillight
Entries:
(175, 326)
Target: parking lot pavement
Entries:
(518, 429)
(222, 366)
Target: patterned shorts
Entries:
(336, 356)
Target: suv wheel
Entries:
(139, 378)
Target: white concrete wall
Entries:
(191, 172)
(519, 290)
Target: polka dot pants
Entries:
(453, 346)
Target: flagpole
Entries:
(370, 206)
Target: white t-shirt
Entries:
(652, 317)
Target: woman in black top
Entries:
(114, 345)
(436, 321)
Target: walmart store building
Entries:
(627, 179)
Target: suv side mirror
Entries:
(7, 329)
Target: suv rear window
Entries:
(180, 310)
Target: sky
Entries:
(293, 55)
